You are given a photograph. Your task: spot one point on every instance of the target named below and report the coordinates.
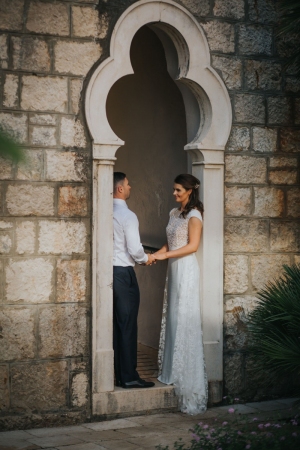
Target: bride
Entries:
(181, 359)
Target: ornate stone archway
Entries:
(209, 116)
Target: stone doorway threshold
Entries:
(122, 402)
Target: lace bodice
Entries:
(177, 229)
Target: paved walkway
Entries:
(137, 433)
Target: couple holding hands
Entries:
(180, 357)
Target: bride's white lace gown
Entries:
(180, 357)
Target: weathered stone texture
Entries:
(297, 111)
(264, 139)
(65, 166)
(5, 169)
(290, 140)
(63, 331)
(85, 22)
(237, 201)
(4, 388)
(3, 51)
(5, 243)
(266, 268)
(15, 125)
(220, 36)
(76, 87)
(62, 237)
(31, 54)
(29, 280)
(4, 225)
(43, 136)
(263, 11)
(43, 119)
(283, 177)
(72, 133)
(10, 91)
(11, 14)
(263, 75)
(17, 333)
(297, 259)
(249, 108)
(233, 9)
(236, 311)
(244, 235)
(197, 7)
(32, 167)
(293, 202)
(283, 162)
(48, 18)
(72, 201)
(25, 235)
(245, 169)
(71, 280)
(292, 85)
(285, 236)
(279, 110)
(76, 58)
(79, 389)
(233, 373)
(41, 386)
(255, 40)
(231, 69)
(239, 140)
(44, 93)
(236, 274)
(268, 201)
(30, 200)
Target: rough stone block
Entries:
(44, 93)
(76, 87)
(285, 236)
(79, 365)
(65, 166)
(286, 44)
(40, 386)
(29, 280)
(279, 162)
(233, 9)
(11, 15)
(74, 57)
(43, 119)
(3, 51)
(48, 18)
(17, 333)
(264, 139)
(239, 140)
(233, 373)
(292, 85)
(220, 36)
(297, 259)
(15, 125)
(197, 7)
(263, 75)
(236, 274)
(5, 243)
(80, 390)
(5, 169)
(32, 167)
(236, 314)
(237, 201)
(30, 53)
(244, 235)
(255, 40)
(266, 269)
(25, 235)
(72, 201)
(245, 169)
(249, 108)
(293, 202)
(43, 136)
(72, 133)
(71, 280)
(290, 140)
(231, 69)
(63, 331)
(85, 21)
(279, 110)
(62, 237)
(5, 225)
(263, 11)
(4, 387)
(30, 200)
(283, 177)
(268, 202)
(10, 91)
(297, 111)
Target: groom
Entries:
(128, 250)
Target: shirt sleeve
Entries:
(195, 213)
(133, 240)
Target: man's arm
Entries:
(133, 240)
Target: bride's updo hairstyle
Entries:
(188, 181)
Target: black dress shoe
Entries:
(138, 384)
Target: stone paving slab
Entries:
(272, 405)
(53, 441)
(113, 424)
(41, 432)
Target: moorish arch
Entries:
(208, 117)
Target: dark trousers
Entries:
(126, 300)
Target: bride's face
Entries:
(181, 195)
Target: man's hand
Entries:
(151, 260)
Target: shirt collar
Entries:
(120, 202)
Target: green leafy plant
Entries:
(9, 149)
(289, 25)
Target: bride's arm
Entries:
(194, 230)
(164, 249)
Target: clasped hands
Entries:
(153, 257)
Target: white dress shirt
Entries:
(128, 249)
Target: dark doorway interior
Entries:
(146, 110)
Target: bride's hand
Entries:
(160, 256)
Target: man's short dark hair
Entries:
(119, 177)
